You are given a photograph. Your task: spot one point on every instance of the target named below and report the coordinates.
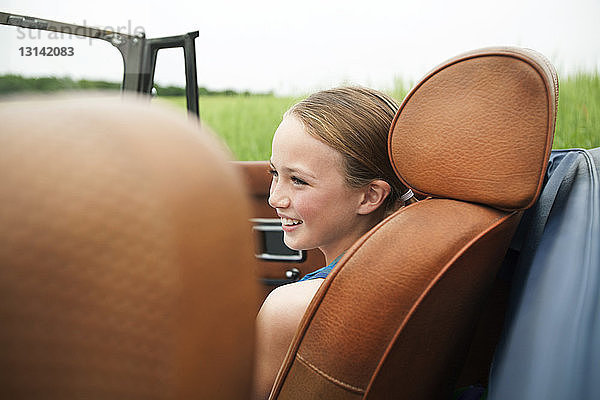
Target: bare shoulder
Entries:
(288, 300)
(276, 325)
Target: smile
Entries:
(290, 221)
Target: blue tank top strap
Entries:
(321, 272)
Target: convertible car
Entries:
(134, 254)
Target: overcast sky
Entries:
(301, 46)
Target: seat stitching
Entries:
(329, 377)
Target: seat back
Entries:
(396, 315)
(126, 267)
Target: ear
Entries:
(373, 197)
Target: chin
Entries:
(293, 244)
(297, 244)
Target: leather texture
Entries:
(396, 317)
(469, 130)
(126, 268)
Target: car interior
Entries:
(136, 253)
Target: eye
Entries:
(273, 172)
(298, 181)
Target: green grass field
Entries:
(247, 123)
(578, 119)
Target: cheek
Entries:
(313, 207)
(305, 207)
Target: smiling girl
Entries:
(331, 183)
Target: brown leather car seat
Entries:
(126, 266)
(396, 316)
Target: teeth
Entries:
(290, 221)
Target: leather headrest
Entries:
(126, 255)
(479, 128)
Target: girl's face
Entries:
(317, 208)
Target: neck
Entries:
(332, 252)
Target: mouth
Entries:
(289, 222)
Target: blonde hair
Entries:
(355, 121)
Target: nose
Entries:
(277, 196)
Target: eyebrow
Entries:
(294, 171)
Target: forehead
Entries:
(294, 148)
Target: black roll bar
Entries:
(138, 52)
